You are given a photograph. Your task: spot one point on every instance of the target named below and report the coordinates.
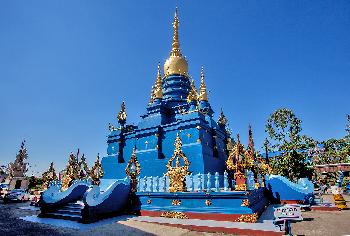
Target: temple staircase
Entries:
(71, 211)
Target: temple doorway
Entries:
(18, 184)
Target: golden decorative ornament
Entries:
(241, 187)
(222, 119)
(177, 173)
(250, 218)
(174, 214)
(96, 171)
(189, 135)
(245, 202)
(133, 169)
(198, 140)
(208, 202)
(49, 176)
(176, 202)
(122, 113)
(149, 201)
(176, 63)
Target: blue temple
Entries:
(175, 107)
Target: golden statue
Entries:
(133, 169)
(176, 63)
(96, 171)
(177, 174)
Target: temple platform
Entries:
(234, 206)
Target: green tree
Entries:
(283, 129)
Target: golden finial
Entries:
(175, 47)
(203, 96)
(175, 64)
(122, 114)
(193, 94)
(158, 87)
(222, 118)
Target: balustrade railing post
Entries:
(157, 183)
(225, 181)
(209, 182)
(164, 183)
(138, 184)
(191, 183)
(199, 182)
(217, 181)
(151, 184)
(145, 184)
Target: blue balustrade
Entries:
(225, 181)
(217, 181)
(208, 182)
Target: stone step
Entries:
(69, 211)
(72, 207)
(57, 215)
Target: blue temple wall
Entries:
(153, 160)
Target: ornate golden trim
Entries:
(208, 202)
(176, 202)
(174, 214)
(133, 173)
(177, 174)
(245, 202)
(250, 218)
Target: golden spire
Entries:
(193, 94)
(175, 46)
(158, 87)
(203, 96)
(175, 64)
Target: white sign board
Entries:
(288, 212)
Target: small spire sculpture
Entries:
(177, 173)
(158, 93)
(19, 167)
(49, 176)
(133, 169)
(122, 114)
(83, 168)
(193, 93)
(96, 171)
(222, 119)
(203, 96)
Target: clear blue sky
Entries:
(65, 67)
